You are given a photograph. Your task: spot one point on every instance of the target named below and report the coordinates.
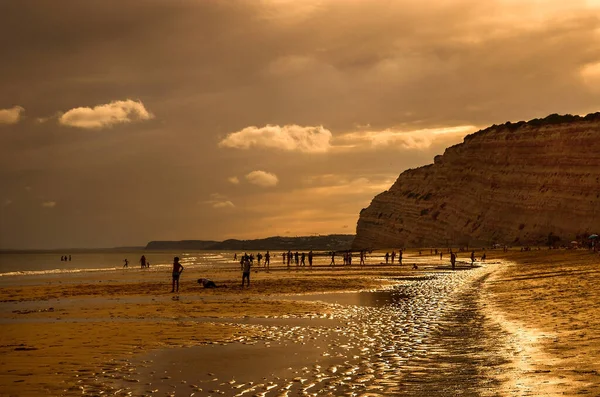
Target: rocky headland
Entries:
(529, 183)
(331, 242)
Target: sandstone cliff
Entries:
(510, 184)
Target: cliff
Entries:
(332, 242)
(516, 183)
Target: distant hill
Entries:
(332, 242)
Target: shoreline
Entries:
(119, 320)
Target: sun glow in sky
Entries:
(231, 119)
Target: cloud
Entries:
(590, 74)
(288, 137)
(262, 178)
(219, 201)
(223, 204)
(233, 179)
(49, 204)
(417, 139)
(116, 112)
(11, 116)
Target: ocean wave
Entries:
(71, 271)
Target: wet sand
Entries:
(522, 324)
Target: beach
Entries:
(520, 323)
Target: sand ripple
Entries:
(428, 336)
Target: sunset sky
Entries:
(129, 121)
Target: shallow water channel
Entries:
(428, 336)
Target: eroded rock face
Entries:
(508, 184)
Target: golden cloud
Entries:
(262, 178)
(417, 139)
(107, 115)
(11, 116)
(288, 137)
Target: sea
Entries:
(32, 263)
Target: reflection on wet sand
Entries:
(427, 336)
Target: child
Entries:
(177, 269)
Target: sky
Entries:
(130, 121)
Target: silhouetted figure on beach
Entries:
(235, 257)
(177, 269)
(289, 258)
(267, 260)
(62, 258)
(332, 258)
(400, 257)
(283, 257)
(362, 258)
(126, 265)
(259, 258)
(441, 255)
(436, 251)
(143, 261)
(246, 272)
(297, 258)
(349, 258)
(483, 258)
(69, 258)
(148, 264)
(387, 257)
(472, 258)
(393, 256)
(310, 258)
(453, 260)
(302, 258)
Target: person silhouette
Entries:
(177, 269)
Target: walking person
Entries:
(332, 258)
(126, 265)
(472, 258)
(177, 269)
(302, 259)
(267, 260)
